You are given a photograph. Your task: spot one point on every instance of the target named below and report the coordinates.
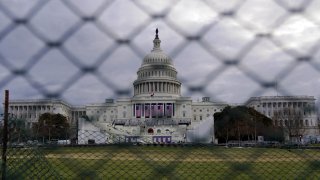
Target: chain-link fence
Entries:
(161, 162)
(259, 47)
(70, 49)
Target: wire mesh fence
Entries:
(57, 49)
(157, 162)
(229, 38)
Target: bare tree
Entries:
(291, 121)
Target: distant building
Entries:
(30, 110)
(295, 112)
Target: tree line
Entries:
(244, 124)
(48, 127)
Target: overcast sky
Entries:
(230, 61)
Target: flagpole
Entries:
(277, 88)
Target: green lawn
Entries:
(156, 162)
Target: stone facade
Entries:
(287, 111)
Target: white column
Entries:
(142, 88)
(146, 87)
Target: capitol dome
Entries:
(156, 56)
(157, 74)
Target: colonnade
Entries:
(160, 87)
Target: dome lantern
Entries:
(156, 42)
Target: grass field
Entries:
(157, 162)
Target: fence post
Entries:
(5, 135)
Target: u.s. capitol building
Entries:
(156, 113)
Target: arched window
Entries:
(150, 131)
(307, 122)
(158, 131)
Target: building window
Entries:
(307, 122)
(150, 131)
(200, 118)
(184, 114)
(195, 118)
(200, 110)
(183, 106)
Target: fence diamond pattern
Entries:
(87, 41)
